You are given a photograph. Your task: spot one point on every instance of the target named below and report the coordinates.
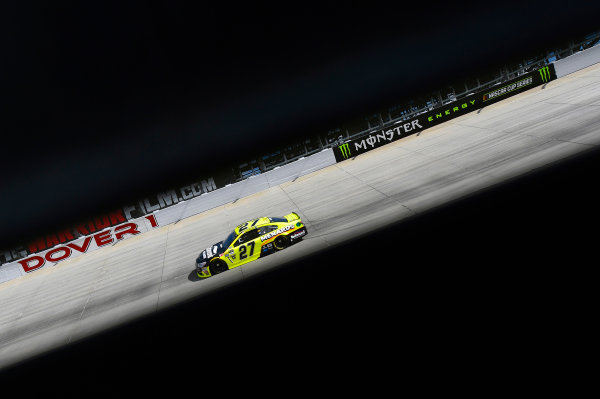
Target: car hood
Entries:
(211, 252)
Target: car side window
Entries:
(266, 229)
(247, 236)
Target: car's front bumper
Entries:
(202, 272)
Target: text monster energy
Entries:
(345, 149)
(545, 74)
(448, 111)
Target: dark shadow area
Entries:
(193, 276)
(103, 106)
(507, 265)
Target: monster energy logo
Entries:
(345, 150)
(545, 74)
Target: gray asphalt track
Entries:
(62, 304)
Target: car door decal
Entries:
(230, 255)
(244, 249)
(276, 232)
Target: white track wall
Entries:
(244, 188)
(577, 61)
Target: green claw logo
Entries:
(345, 150)
(545, 74)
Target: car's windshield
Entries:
(229, 240)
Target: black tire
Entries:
(217, 266)
(281, 242)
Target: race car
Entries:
(249, 241)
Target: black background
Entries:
(105, 103)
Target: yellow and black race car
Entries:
(249, 241)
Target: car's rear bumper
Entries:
(297, 235)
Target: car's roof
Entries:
(260, 222)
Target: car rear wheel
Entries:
(281, 242)
(217, 266)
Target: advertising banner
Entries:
(62, 251)
(129, 212)
(472, 102)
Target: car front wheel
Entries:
(217, 266)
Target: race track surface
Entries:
(144, 274)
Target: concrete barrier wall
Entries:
(577, 61)
(9, 271)
(244, 188)
(400, 129)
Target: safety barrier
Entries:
(577, 61)
(396, 130)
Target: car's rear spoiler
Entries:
(292, 216)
